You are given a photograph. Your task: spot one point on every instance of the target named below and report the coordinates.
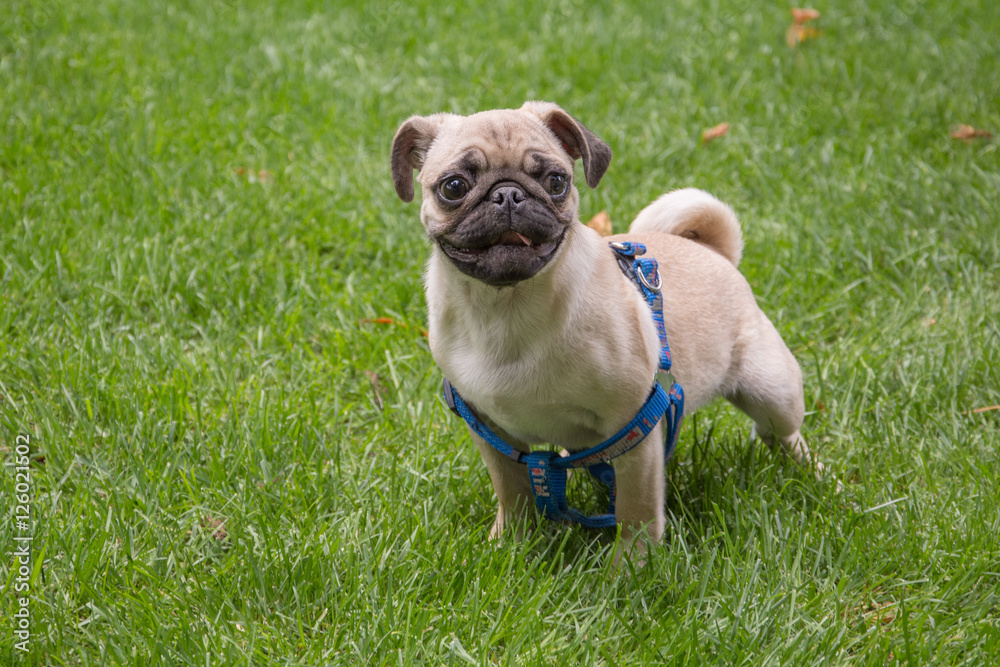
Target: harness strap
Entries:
(459, 407)
(657, 403)
(644, 273)
(548, 483)
(547, 469)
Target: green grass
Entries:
(180, 336)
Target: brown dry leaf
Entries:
(882, 613)
(217, 526)
(377, 387)
(262, 176)
(800, 16)
(714, 132)
(799, 33)
(967, 133)
(601, 223)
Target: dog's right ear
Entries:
(409, 148)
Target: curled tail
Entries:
(696, 215)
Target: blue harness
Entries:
(547, 469)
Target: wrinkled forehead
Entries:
(495, 140)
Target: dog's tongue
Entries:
(514, 238)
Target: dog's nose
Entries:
(508, 198)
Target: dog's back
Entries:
(696, 215)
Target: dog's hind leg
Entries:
(768, 388)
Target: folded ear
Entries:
(409, 148)
(576, 139)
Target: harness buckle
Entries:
(628, 248)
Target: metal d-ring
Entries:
(644, 281)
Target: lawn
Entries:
(227, 422)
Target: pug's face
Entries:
(498, 193)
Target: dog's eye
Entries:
(557, 184)
(454, 189)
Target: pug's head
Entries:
(498, 193)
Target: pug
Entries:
(542, 334)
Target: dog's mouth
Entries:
(509, 241)
(504, 259)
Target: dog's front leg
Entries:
(639, 480)
(510, 481)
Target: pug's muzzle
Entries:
(508, 236)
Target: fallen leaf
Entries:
(967, 133)
(377, 387)
(217, 526)
(601, 223)
(714, 132)
(799, 32)
(800, 16)
(262, 176)
(882, 613)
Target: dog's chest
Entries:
(548, 393)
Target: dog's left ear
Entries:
(409, 148)
(576, 139)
